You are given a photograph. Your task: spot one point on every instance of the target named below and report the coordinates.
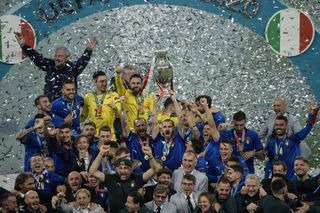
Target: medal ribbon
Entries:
(277, 148)
(99, 103)
(144, 142)
(237, 138)
(166, 147)
(69, 106)
(206, 144)
(42, 145)
(140, 101)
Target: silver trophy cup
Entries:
(163, 72)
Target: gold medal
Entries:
(276, 158)
(163, 158)
(241, 148)
(146, 157)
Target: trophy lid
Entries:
(161, 52)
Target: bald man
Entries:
(74, 182)
(279, 108)
(32, 203)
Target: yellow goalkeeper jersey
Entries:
(97, 109)
(135, 107)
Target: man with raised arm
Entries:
(59, 68)
(137, 139)
(123, 181)
(294, 126)
(137, 104)
(285, 147)
(169, 143)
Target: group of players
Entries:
(118, 150)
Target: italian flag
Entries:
(10, 51)
(290, 32)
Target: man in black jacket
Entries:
(59, 68)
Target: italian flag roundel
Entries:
(10, 51)
(290, 32)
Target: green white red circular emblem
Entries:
(10, 51)
(290, 32)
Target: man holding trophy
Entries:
(139, 102)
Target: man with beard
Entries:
(249, 198)
(164, 177)
(234, 175)
(101, 106)
(68, 106)
(224, 201)
(60, 68)
(89, 130)
(307, 186)
(128, 71)
(137, 139)
(134, 204)
(169, 144)
(137, 104)
(276, 202)
(284, 147)
(246, 142)
(123, 181)
(33, 141)
(279, 108)
(64, 155)
(189, 162)
(44, 106)
(159, 204)
(32, 203)
(186, 200)
(8, 203)
(23, 183)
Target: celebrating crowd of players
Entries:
(118, 150)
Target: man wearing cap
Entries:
(123, 181)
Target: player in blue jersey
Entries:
(245, 142)
(168, 144)
(284, 147)
(44, 106)
(68, 106)
(205, 100)
(33, 140)
(218, 167)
